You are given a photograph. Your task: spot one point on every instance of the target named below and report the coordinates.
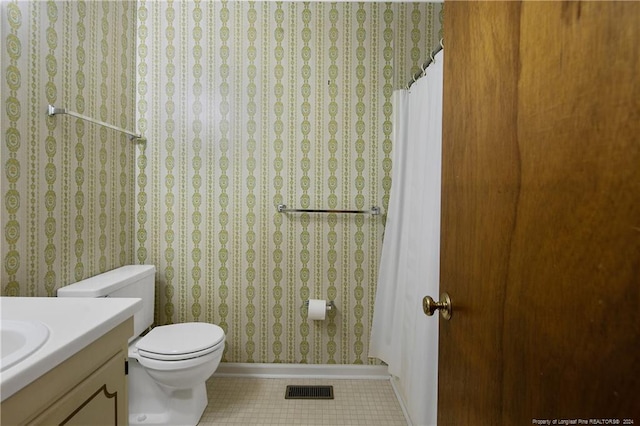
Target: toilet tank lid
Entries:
(107, 282)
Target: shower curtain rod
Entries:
(428, 62)
(52, 110)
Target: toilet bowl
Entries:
(176, 359)
(180, 355)
(168, 366)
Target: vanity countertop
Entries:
(73, 324)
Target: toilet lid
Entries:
(180, 357)
(181, 339)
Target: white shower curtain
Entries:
(401, 335)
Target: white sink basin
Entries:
(19, 339)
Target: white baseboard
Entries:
(306, 371)
(394, 385)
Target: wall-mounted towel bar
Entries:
(52, 110)
(375, 210)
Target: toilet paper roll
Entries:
(317, 309)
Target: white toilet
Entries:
(169, 365)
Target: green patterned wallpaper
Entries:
(250, 104)
(68, 201)
(245, 106)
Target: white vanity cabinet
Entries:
(89, 388)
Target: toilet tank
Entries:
(127, 281)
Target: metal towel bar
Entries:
(52, 110)
(375, 210)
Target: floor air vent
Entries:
(309, 392)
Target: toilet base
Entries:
(153, 404)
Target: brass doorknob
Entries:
(430, 306)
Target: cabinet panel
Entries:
(43, 393)
(98, 400)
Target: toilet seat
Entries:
(179, 357)
(178, 342)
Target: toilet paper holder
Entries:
(330, 304)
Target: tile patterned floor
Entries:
(256, 401)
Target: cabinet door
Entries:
(100, 399)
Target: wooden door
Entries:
(540, 241)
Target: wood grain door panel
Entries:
(540, 246)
